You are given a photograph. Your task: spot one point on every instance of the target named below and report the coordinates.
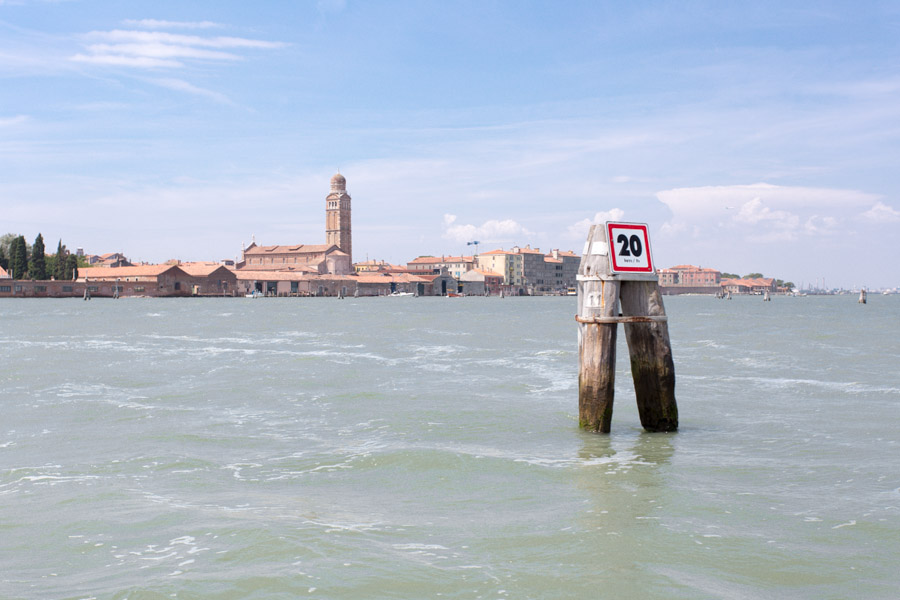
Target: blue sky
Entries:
(750, 136)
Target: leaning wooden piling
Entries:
(607, 283)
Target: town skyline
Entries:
(750, 138)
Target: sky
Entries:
(750, 136)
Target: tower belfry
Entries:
(337, 216)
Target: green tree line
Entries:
(23, 261)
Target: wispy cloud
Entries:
(161, 49)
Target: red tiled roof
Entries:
(122, 272)
(440, 259)
(295, 249)
(201, 269)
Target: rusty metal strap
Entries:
(621, 319)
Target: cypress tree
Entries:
(60, 271)
(19, 260)
(71, 268)
(4, 262)
(38, 267)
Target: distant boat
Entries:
(253, 294)
(401, 294)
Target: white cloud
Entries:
(882, 213)
(160, 49)
(759, 212)
(580, 229)
(124, 36)
(493, 231)
(755, 212)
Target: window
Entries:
(138, 288)
(40, 288)
(5, 288)
(67, 289)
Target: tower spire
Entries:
(337, 216)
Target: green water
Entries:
(428, 447)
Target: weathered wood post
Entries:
(616, 267)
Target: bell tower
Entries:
(337, 216)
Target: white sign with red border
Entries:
(629, 248)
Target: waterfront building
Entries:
(505, 263)
(378, 266)
(564, 278)
(334, 257)
(478, 282)
(210, 278)
(455, 265)
(110, 259)
(759, 285)
(534, 276)
(688, 279)
(305, 258)
(143, 280)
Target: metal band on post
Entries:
(622, 319)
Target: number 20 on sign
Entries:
(629, 245)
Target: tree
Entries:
(754, 276)
(71, 268)
(61, 253)
(18, 262)
(6, 242)
(38, 267)
(4, 262)
(730, 276)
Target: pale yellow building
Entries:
(508, 264)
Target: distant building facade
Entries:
(505, 263)
(334, 257)
(758, 285)
(688, 279)
(455, 265)
(337, 217)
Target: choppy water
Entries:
(426, 447)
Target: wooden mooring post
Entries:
(617, 271)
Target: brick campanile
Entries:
(337, 216)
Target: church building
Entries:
(335, 257)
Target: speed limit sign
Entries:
(629, 248)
